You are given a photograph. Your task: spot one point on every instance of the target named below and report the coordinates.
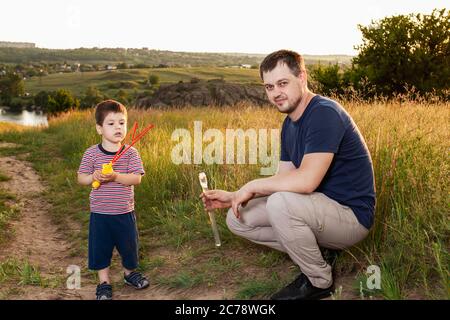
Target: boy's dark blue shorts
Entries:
(109, 231)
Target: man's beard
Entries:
(291, 107)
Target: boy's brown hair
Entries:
(292, 59)
(105, 107)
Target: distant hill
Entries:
(78, 82)
(150, 57)
(7, 44)
(309, 58)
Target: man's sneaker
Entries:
(302, 289)
(104, 291)
(136, 280)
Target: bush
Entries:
(406, 51)
(92, 97)
(153, 79)
(328, 78)
(122, 65)
(399, 55)
(11, 85)
(62, 100)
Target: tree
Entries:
(62, 100)
(329, 79)
(92, 97)
(122, 96)
(10, 86)
(406, 50)
(42, 99)
(153, 80)
(122, 65)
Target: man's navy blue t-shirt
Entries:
(325, 126)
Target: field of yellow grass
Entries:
(409, 145)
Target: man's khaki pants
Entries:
(298, 224)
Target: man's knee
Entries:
(276, 207)
(232, 222)
(280, 205)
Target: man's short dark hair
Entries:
(105, 107)
(292, 59)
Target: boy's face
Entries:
(114, 128)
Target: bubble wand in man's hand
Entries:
(107, 168)
(212, 218)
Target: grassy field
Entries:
(78, 82)
(409, 242)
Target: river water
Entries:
(24, 117)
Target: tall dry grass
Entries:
(408, 142)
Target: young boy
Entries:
(112, 221)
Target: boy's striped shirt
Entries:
(111, 197)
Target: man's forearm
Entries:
(292, 181)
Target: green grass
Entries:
(148, 264)
(409, 241)
(4, 177)
(182, 280)
(259, 288)
(7, 211)
(20, 272)
(271, 258)
(107, 81)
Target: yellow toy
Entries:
(107, 168)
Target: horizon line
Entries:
(156, 49)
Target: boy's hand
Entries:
(96, 176)
(102, 178)
(108, 177)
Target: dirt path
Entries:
(36, 239)
(39, 242)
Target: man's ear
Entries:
(99, 129)
(303, 76)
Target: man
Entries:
(323, 194)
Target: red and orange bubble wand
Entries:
(107, 168)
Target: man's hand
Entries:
(220, 199)
(241, 197)
(216, 199)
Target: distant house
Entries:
(241, 66)
(110, 67)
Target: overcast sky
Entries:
(252, 26)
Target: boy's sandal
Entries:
(104, 291)
(136, 280)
